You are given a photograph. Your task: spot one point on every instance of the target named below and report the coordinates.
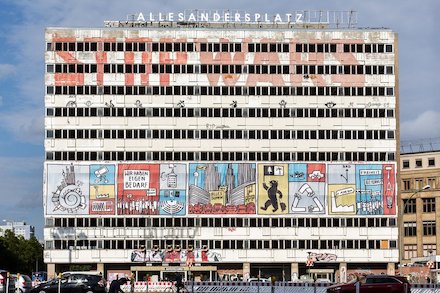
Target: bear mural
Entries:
(273, 189)
(272, 193)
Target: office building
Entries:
(18, 228)
(222, 144)
(419, 177)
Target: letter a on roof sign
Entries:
(140, 17)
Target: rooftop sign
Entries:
(331, 18)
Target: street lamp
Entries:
(402, 228)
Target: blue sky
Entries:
(22, 24)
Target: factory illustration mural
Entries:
(225, 188)
(362, 189)
(222, 188)
(102, 189)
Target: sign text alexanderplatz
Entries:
(337, 18)
(297, 17)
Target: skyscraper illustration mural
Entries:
(222, 188)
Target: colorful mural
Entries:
(221, 188)
(226, 188)
(362, 189)
(172, 189)
(151, 189)
(175, 255)
(273, 188)
(307, 186)
(67, 190)
(102, 189)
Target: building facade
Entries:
(18, 228)
(419, 182)
(221, 148)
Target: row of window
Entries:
(415, 184)
(223, 69)
(411, 205)
(221, 112)
(182, 222)
(216, 134)
(217, 47)
(410, 250)
(222, 244)
(221, 90)
(410, 228)
(220, 156)
(418, 163)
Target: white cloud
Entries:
(425, 125)
(6, 70)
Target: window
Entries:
(418, 184)
(418, 163)
(428, 228)
(410, 206)
(405, 164)
(431, 162)
(429, 249)
(431, 182)
(406, 184)
(410, 251)
(428, 205)
(410, 228)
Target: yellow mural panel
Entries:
(273, 189)
(342, 199)
(102, 192)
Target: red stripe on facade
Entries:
(129, 59)
(101, 59)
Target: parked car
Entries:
(374, 284)
(24, 286)
(73, 283)
(3, 276)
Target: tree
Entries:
(20, 255)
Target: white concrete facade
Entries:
(341, 121)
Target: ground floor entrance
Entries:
(170, 273)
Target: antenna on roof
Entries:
(350, 18)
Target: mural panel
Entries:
(102, 189)
(151, 189)
(189, 256)
(172, 189)
(67, 190)
(273, 188)
(342, 189)
(307, 186)
(138, 189)
(369, 194)
(226, 188)
(362, 189)
(221, 188)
